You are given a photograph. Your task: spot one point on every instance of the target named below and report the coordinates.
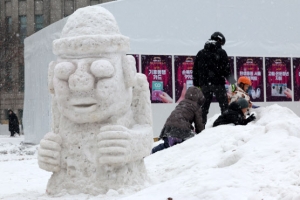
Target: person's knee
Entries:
(159, 147)
(166, 143)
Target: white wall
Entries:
(37, 107)
(176, 27)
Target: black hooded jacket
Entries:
(211, 65)
(13, 122)
(233, 115)
(188, 111)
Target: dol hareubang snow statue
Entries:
(102, 123)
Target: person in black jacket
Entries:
(13, 123)
(235, 114)
(211, 67)
(178, 126)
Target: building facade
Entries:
(18, 20)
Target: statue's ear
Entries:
(50, 76)
(129, 70)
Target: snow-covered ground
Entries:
(253, 162)
(4, 129)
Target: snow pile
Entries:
(15, 149)
(257, 161)
(253, 162)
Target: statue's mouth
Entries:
(84, 105)
(85, 108)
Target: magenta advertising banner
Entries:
(227, 84)
(252, 67)
(158, 70)
(278, 78)
(296, 70)
(183, 74)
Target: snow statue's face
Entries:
(91, 89)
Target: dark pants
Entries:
(161, 146)
(221, 95)
(168, 142)
(12, 133)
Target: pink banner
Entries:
(278, 76)
(158, 69)
(252, 67)
(296, 70)
(183, 74)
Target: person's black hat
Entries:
(242, 103)
(217, 36)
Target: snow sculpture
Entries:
(102, 123)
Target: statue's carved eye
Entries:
(102, 69)
(63, 70)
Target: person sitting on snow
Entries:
(241, 91)
(235, 114)
(178, 126)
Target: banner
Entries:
(252, 67)
(158, 70)
(278, 77)
(183, 74)
(296, 70)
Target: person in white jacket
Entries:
(241, 91)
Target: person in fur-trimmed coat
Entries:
(241, 91)
(178, 126)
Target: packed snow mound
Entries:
(257, 161)
(253, 162)
(16, 150)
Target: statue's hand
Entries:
(49, 152)
(114, 144)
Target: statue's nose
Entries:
(81, 80)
